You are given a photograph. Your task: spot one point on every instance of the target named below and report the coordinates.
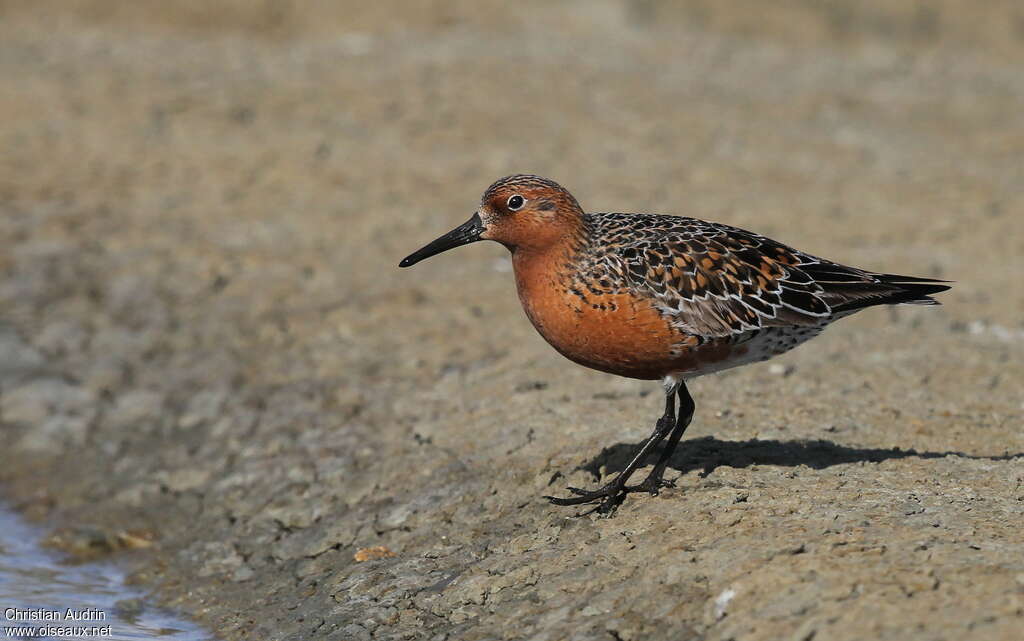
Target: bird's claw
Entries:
(612, 494)
(652, 486)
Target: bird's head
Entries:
(522, 212)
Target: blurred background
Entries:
(203, 204)
(265, 163)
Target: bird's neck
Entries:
(546, 264)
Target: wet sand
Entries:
(204, 334)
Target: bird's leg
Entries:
(615, 490)
(656, 479)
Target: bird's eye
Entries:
(515, 202)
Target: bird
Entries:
(662, 297)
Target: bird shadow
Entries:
(707, 453)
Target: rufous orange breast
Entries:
(620, 333)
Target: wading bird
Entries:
(654, 297)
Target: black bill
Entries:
(467, 232)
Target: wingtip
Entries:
(897, 279)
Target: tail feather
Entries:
(885, 289)
(848, 289)
(896, 278)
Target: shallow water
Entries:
(37, 590)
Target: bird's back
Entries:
(715, 280)
(726, 296)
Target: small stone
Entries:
(355, 633)
(136, 539)
(204, 407)
(293, 515)
(82, 542)
(462, 614)
(372, 553)
(134, 407)
(721, 603)
(395, 517)
(339, 532)
(221, 558)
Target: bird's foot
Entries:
(653, 484)
(610, 495)
(613, 493)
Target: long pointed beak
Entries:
(467, 232)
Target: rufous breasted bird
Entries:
(652, 296)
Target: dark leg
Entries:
(655, 480)
(615, 491)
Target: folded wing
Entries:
(714, 280)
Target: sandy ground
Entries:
(206, 347)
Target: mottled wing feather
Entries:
(713, 280)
